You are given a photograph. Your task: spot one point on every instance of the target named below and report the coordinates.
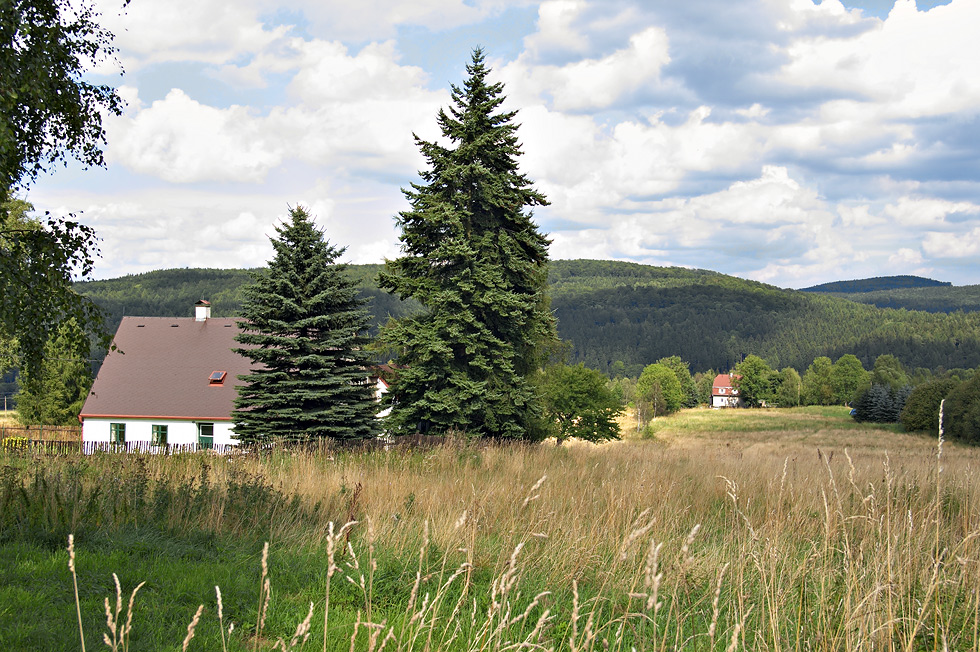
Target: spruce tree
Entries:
(303, 329)
(476, 262)
(56, 395)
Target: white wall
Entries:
(179, 431)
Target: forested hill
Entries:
(173, 292)
(877, 284)
(909, 292)
(621, 316)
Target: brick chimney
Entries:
(202, 310)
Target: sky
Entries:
(784, 141)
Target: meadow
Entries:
(793, 529)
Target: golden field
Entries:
(753, 529)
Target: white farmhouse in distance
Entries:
(172, 381)
(724, 393)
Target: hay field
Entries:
(758, 530)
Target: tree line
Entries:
(618, 316)
(885, 393)
(470, 312)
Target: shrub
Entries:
(961, 413)
(921, 411)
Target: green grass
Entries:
(789, 422)
(827, 535)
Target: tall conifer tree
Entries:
(304, 328)
(57, 394)
(477, 263)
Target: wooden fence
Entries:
(42, 433)
(13, 439)
(63, 447)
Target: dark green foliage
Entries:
(888, 370)
(789, 388)
(477, 264)
(633, 313)
(877, 283)
(56, 398)
(172, 293)
(658, 392)
(921, 411)
(880, 404)
(619, 316)
(683, 373)
(755, 381)
(304, 330)
(848, 377)
(37, 262)
(961, 412)
(964, 298)
(47, 112)
(817, 386)
(579, 404)
(703, 381)
(47, 109)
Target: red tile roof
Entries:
(722, 381)
(162, 370)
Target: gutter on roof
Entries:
(150, 416)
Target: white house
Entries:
(724, 393)
(170, 381)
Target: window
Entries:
(159, 436)
(217, 377)
(205, 435)
(117, 433)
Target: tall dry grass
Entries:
(866, 541)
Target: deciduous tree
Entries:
(658, 386)
(303, 327)
(789, 388)
(476, 262)
(921, 411)
(888, 370)
(682, 370)
(961, 412)
(847, 378)
(817, 386)
(48, 112)
(579, 404)
(755, 381)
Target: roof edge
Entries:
(150, 416)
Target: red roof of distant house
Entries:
(166, 368)
(722, 382)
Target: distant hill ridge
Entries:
(876, 284)
(619, 317)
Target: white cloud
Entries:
(591, 83)
(771, 211)
(556, 29)
(799, 15)
(913, 64)
(380, 19)
(155, 31)
(952, 245)
(146, 229)
(636, 118)
(924, 211)
(859, 215)
(905, 256)
(327, 72)
(354, 112)
(181, 140)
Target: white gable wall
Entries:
(179, 431)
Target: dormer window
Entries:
(217, 377)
